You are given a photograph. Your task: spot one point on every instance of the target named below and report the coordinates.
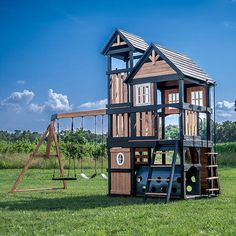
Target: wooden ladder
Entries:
(152, 166)
(212, 178)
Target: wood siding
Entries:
(149, 69)
(190, 123)
(119, 89)
(126, 152)
(145, 124)
(120, 183)
(120, 125)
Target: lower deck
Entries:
(129, 164)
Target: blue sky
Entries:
(50, 57)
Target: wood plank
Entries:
(98, 112)
(151, 94)
(117, 91)
(150, 124)
(153, 57)
(159, 68)
(125, 89)
(61, 166)
(120, 95)
(126, 124)
(112, 89)
(120, 126)
(38, 189)
(114, 128)
(144, 124)
(120, 183)
(138, 122)
(50, 138)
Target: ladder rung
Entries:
(159, 180)
(212, 189)
(141, 156)
(211, 153)
(211, 166)
(156, 194)
(213, 177)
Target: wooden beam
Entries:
(59, 157)
(98, 112)
(50, 137)
(37, 189)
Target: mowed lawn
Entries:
(84, 209)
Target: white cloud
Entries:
(56, 102)
(36, 108)
(17, 100)
(94, 105)
(225, 111)
(20, 81)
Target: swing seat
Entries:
(94, 175)
(64, 178)
(84, 176)
(104, 176)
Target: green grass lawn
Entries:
(84, 209)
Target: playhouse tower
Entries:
(160, 122)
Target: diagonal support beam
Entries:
(50, 131)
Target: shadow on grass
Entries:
(74, 203)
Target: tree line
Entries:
(77, 144)
(84, 142)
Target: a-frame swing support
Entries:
(51, 137)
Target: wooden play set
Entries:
(149, 86)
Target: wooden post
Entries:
(163, 129)
(58, 155)
(181, 110)
(182, 152)
(208, 114)
(155, 113)
(49, 142)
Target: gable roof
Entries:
(182, 64)
(132, 40)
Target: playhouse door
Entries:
(120, 182)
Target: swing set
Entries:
(52, 136)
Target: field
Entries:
(84, 209)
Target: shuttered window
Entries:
(143, 94)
